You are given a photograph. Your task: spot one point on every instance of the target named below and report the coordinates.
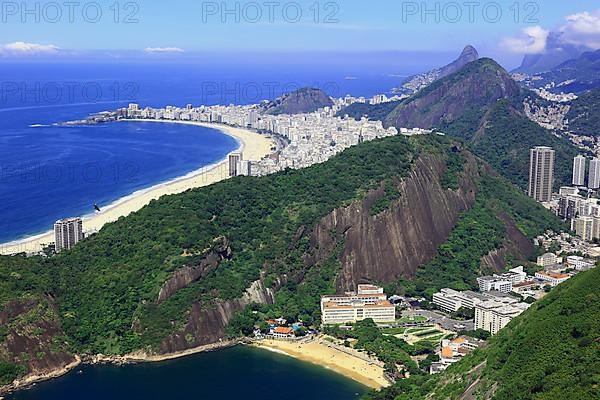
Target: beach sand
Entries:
(317, 352)
(253, 146)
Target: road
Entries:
(440, 319)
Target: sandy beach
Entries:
(253, 146)
(317, 352)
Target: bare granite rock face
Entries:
(207, 325)
(515, 245)
(188, 274)
(398, 241)
(33, 326)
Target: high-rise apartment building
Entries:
(541, 173)
(235, 161)
(594, 179)
(67, 232)
(579, 171)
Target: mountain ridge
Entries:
(483, 106)
(419, 81)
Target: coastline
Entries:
(318, 353)
(133, 358)
(253, 145)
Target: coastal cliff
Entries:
(179, 274)
(206, 325)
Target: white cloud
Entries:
(23, 48)
(163, 50)
(582, 29)
(531, 41)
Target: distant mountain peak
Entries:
(417, 82)
(556, 53)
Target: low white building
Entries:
(548, 260)
(502, 282)
(489, 283)
(451, 300)
(579, 263)
(553, 278)
(369, 302)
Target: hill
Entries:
(584, 118)
(174, 275)
(301, 101)
(417, 82)
(483, 106)
(550, 352)
(577, 75)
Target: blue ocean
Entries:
(236, 373)
(50, 172)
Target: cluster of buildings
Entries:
(279, 329)
(493, 306)
(583, 211)
(368, 301)
(502, 282)
(311, 138)
(452, 350)
(377, 99)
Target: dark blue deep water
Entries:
(236, 373)
(51, 172)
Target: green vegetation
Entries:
(507, 140)
(9, 372)
(550, 352)
(584, 118)
(483, 106)
(394, 352)
(391, 193)
(107, 287)
(479, 231)
(455, 164)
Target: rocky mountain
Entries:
(176, 274)
(556, 53)
(577, 75)
(301, 101)
(482, 105)
(475, 87)
(417, 82)
(549, 352)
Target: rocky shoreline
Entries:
(100, 359)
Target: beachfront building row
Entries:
(67, 233)
(368, 302)
(493, 315)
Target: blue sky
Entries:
(180, 28)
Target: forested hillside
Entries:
(550, 352)
(168, 277)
